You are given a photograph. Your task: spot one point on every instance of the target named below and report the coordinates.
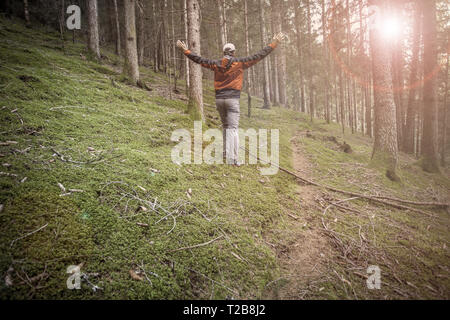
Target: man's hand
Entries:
(279, 37)
(182, 45)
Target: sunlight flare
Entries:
(390, 28)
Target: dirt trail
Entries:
(303, 261)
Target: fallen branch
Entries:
(198, 245)
(142, 224)
(75, 107)
(7, 143)
(335, 203)
(7, 174)
(434, 204)
(378, 199)
(28, 234)
(62, 158)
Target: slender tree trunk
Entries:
(419, 131)
(334, 67)
(247, 52)
(397, 68)
(61, 19)
(348, 32)
(341, 102)
(280, 68)
(155, 42)
(385, 148)
(141, 31)
(93, 39)
(186, 65)
(271, 80)
(116, 25)
(325, 55)
(222, 22)
(274, 59)
(408, 134)
(368, 103)
(265, 61)
(163, 36)
(362, 53)
(429, 139)
(174, 53)
(299, 56)
(131, 67)
(445, 116)
(355, 112)
(26, 13)
(336, 100)
(195, 105)
(310, 57)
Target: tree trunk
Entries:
(355, 112)
(385, 148)
(93, 39)
(310, 58)
(280, 68)
(341, 102)
(409, 129)
(348, 56)
(445, 116)
(114, 25)
(195, 105)
(26, 13)
(117, 28)
(397, 68)
(141, 31)
(186, 65)
(274, 61)
(222, 22)
(247, 52)
(325, 56)
(429, 138)
(131, 67)
(62, 26)
(265, 61)
(368, 103)
(174, 53)
(299, 56)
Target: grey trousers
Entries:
(229, 114)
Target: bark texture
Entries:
(93, 39)
(429, 138)
(195, 104)
(131, 67)
(385, 148)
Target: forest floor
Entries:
(87, 179)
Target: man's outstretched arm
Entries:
(249, 61)
(206, 63)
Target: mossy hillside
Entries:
(118, 139)
(110, 132)
(409, 247)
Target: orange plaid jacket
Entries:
(229, 71)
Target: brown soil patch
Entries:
(303, 261)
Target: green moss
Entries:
(74, 108)
(119, 133)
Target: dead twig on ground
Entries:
(335, 203)
(198, 245)
(378, 199)
(28, 234)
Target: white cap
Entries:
(228, 47)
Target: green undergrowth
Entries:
(409, 247)
(86, 129)
(144, 227)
